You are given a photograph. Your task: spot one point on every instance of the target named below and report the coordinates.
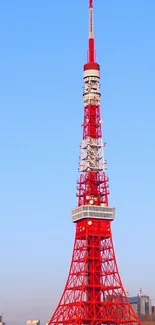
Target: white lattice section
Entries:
(92, 157)
(92, 153)
(91, 90)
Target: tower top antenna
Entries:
(90, 3)
(91, 47)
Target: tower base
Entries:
(94, 293)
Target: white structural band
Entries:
(93, 212)
(91, 73)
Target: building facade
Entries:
(142, 305)
(33, 322)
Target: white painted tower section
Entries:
(92, 153)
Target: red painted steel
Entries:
(94, 293)
(90, 3)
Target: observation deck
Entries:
(93, 212)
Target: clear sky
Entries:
(43, 46)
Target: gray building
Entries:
(142, 305)
(1, 320)
(33, 322)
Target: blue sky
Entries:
(43, 49)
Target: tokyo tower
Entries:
(93, 293)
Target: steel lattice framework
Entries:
(94, 293)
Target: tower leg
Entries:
(94, 293)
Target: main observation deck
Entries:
(93, 212)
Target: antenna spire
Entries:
(91, 48)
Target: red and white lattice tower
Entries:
(94, 293)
